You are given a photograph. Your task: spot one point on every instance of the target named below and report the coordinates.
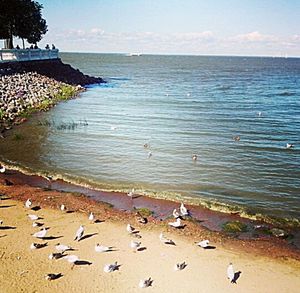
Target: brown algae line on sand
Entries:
(231, 224)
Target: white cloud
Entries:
(254, 37)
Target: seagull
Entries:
(165, 240)
(71, 258)
(79, 233)
(135, 245)
(40, 234)
(102, 248)
(145, 283)
(51, 277)
(56, 255)
(176, 224)
(203, 243)
(180, 266)
(62, 248)
(33, 217)
(130, 229)
(91, 217)
(37, 224)
(131, 193)
(111, 267)
(289, 145)
(62, 207)
(140, 218)
(259, 114)
(28, 203)
(194, 157)
(230, 273)
(1, 222)
(183, 210)
(2, 169)
(146, 145)
(38, 245)
(149, 155)
(237, 138)
(176, 214)
(113, 127)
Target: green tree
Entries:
(23, 19)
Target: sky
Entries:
(197, 27)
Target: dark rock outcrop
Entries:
(53, 68)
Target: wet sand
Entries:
(264, 266)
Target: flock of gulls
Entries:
(61, 250)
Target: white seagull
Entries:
(135, 245)
(289, 145)
(71, 258)
(62, 207)
(40, 234)
(203, 243)
(165, 240)
(149, 155)
(230, 273)
(176, 224)
(102, 248)
(62, 248)
(33, 217)
(145, 283)
(28, 203)
(37, 224)
(130, 229)
(131, 193)
(183, 210)
(79, 233)
(111, 267)
(176, 214)
(2, 169)
(91, 217)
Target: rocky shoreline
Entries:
(27, 87)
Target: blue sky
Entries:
(214, 27)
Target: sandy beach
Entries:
(24, 270)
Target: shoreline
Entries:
(202, 219)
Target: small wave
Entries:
(286, 94)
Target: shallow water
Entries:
(179, 106)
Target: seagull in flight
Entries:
(111, 267)
(79, 233)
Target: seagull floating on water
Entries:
(183, 210)
(102, 248)
(149, 155)
(40, 234)
(203, 243)
(180, 266)
(28, 203)
(176, 224)
(194, 157)
(289, 145)
(111, 267)
(230, 273)
(33, 217)
(130, 229)
(237, 138)
(145, 283)
(79, 233)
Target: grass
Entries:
(144, 212)
(1, 114)
(18, 136)
(234, 227)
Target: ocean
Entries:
(141, 128)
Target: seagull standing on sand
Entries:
(183, 210)
(38, 245)
(79, 233)
(51, 277)
(102, 248)
(62, 208)
(71, 259)
(62, 248)
(135, 245)
(145, 283)
(176, 224)
(111, 267)
(203, 243)
(130, 229)
(176, 214)
(40, 234)
(37, 224)
(165, 240)
(33, 217)
(28, 203)
(91, 217)
(230, 273)
(131, 193)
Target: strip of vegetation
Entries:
(234, 227)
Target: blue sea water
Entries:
(179, 106)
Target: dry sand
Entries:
(23, 270)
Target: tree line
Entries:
(22, 19)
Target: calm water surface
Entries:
(179, 106)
